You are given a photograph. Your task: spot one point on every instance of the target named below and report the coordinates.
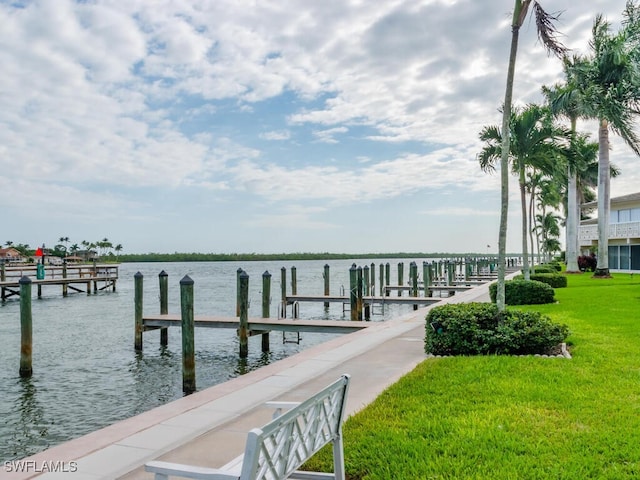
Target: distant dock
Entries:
(86, 278)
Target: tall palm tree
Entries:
(609, 82)
(564, 100)
(532, 143)
(547, 34)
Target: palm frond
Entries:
(547, 32)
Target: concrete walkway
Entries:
(208, 428)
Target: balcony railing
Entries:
(587, 233)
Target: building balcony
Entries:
(622, 231)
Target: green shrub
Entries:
(479, 329)
(546, 268)
(522, 292)
(551, 279)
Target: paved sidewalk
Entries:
(209, 428)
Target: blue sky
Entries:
(266, 126)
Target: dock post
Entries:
(137, 302)
(327, 290)
(64, 275)
(366, 292)
(294, 281)
(163, 279)
(387, 274)
(359, 292)
(372, 291)
(95, 274)
(238, 272)
(188, 343)
(381, 279)
(26, 345)
(426, 278)
(353, 286)
(367, 281)
(243, 331)
(283, 291)
(266, 299)
(2, 279)
(400, 277)
(413, 274)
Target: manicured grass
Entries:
(498, 417)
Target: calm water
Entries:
(86, 374)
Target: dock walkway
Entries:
(94, 278)
(209, 427)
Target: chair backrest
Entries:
(279, 448)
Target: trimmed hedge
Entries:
(552, 279)
(522, 292)
(480, 329)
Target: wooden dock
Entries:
(257, 325)
(367, 300)
(94, 278)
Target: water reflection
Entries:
(29, 427)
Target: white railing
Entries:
(616, 230)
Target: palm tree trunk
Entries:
(572, 223)
(519, 13)
(525, 236)
(573, 213)
(604, 197)
(532, 220)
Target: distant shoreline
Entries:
(247, 257)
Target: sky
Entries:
(240, 126)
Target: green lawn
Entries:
(528, 418)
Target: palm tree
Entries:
(532, 144)
(549, 230)
(9, 243)
(118, 248)
(564, 100)
(609, 83)
(547, 34)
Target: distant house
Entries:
(624, 232)
(11, 255)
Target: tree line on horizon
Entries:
(62, 249)
(244, 257)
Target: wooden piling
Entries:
(381, 279)
(413, 275)
(243, 330)
(266, 299)
(327, 289)
(353, 286)
(283, 292)
(2, 271)
(137, 306)
(64, 275)
(238, 272)
(387, 275)
(188, 337)
(26, 328)
(400, 277)
(426, 278)
(359, 302)
(163, 279)
(366, 284)
(294, 281)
